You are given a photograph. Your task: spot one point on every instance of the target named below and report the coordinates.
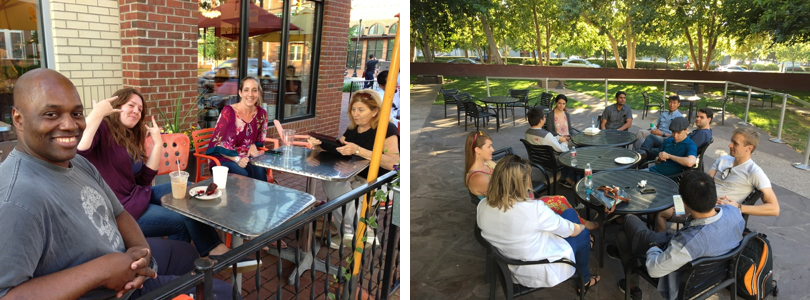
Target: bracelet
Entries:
(237, 159)
(739, 206)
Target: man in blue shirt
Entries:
(708, 232)
(678, 151)
(662, 128)
(702, 135)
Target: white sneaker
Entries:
(348, 237)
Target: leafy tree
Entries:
(792, 53)
(215, 47)
(785, 21)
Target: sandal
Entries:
(274, 245)
(597, 278)
(592, 240)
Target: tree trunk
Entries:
(466, 53)
(493, 48)
(613, 43)
(667, 67)
(631, 45)
(427, 53)
(538, 40)
(413, 52)
(548, 44)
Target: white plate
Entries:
(193, 192)
(624, 160)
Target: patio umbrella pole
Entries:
(376, 157)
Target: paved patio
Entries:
(447, 262)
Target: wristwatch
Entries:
(237, 159)
(357, 152)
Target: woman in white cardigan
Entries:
(525, 229)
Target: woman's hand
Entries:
(349, 148)
(243, 162)
(154, 131)
(254, 151)
(313, 142)
(104, 107)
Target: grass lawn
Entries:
(794, 130)
(477, 87)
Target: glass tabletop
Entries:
(499, 100)
(606, 137)
(601, 158)
(313, 163)
(247, 207)
(628, 180)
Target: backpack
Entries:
(755, 270)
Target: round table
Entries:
(606, 137)
(640, 203)
(500, 103)
(601, 158)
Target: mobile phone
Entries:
(676, 199)
(647, 190)
(275, 152)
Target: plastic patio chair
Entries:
(175, 148)
(648, 105)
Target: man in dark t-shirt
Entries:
(371, 66)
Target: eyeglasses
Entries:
(724, 173)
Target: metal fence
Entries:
(379, 265)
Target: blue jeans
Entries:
(158, 221)
(652, 145)
(581, 244)
(250, 170)
(174, 259)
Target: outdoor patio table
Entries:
(4, 127)
(247, 208)
(312, 164)
(692, 100)
(755, 95)
(639, 203)
(500, 103)
(601, 158)
(606, 137)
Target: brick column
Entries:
(159, 53)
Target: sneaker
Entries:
(613, 251)
(246, 264)
(635, 292)
(566, 184)
(347, 240)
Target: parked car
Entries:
(731, 68)
(462, 61)
(268, 70)
(577, 62)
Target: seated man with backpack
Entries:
(708, 232)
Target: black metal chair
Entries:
(539, 186)
(476, 112)
(752, 199)
(702, 277)
(648, 105)
(545, 102)
(501, 268)
(459, 100)
(523, 95)
(546, 158)
(721, 109)
(685, 103)
(448, 99)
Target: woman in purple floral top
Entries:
(240, 131)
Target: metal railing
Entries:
(785, 96)
(380, 267)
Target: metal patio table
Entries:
(601, 158)
(639, 203)
(247, 208)
(500, 103)
(312, 164)
(4, 127)
(692, 100)
(606, 137)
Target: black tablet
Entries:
(328, 143)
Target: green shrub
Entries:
(347, 87)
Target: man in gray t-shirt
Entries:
(64, 231)
(618, 116)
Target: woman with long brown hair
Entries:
(114, 142)
(528, 230)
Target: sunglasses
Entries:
(725, 173)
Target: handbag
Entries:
(610, 196)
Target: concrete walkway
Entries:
(447, 262)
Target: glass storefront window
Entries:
(20, 51)
(376, 29)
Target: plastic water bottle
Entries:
(573, 156)
(593, 123)
(588, 181)
(652, 126)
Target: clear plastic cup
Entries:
(289, 135)
(179, 184)
(220, 176)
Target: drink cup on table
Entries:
(220, 176)
(179, 182)
(289, 135)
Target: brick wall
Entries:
(330, 76)
(87, 46)
(159, 53)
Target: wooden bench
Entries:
(760, 96)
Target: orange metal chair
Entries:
(175, 148)
(201, 138)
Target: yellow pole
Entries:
(376, 153)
